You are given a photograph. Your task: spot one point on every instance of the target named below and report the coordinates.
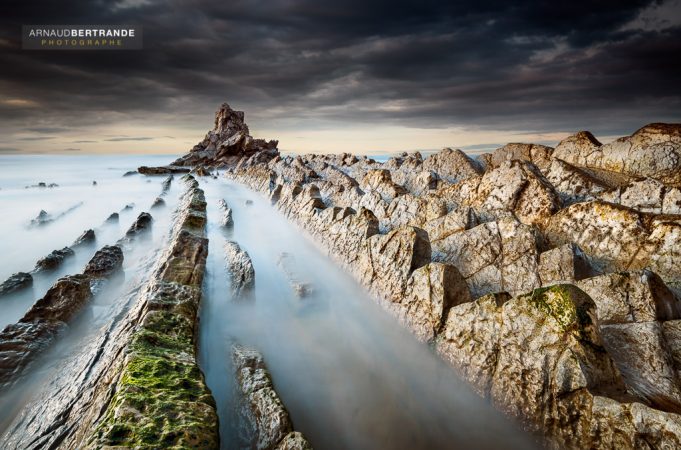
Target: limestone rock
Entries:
(628, 297)
(539, 155)
(379, 180)
(409, 209)
(389, 260)
(564, 264)
(455, 221)
(227, 142)
(641, 355)
(261, 409)
(240, 268)
(578, 149)
(16, 282)
(452, 165)
(86, 238)
(142, 223)
(494, 256)
(294, 441)
(158, 203)
(516, 188)
(163, 170)
(653, 151)
(53, 260)
(431, 290)
(105, 262)
(226, 220)
(572, 183)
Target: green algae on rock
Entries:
(161, 399)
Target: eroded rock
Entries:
(15, 283)
(240, 268)
(53, 260)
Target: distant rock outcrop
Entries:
(227, 142)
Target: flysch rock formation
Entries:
(264, 420)
(157, 397)
(22, 342)
(547, 278)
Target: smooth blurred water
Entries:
(350, 376)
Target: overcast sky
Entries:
(329, 76)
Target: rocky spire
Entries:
(227, 142)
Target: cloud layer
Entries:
(298, 66)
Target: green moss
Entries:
(161, 400)
(564, 303)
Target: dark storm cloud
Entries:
(538, 65)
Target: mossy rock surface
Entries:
(161, 400)
(567, 305)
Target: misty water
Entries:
(349, 375)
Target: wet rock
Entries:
(113, 218)
(248, 202)
(86, 238)
(265, 420)
(201, 171)
(94, 183)
(42, 218)
(240, 268)
(158, 203)
(653, 151)
(165, 186)
(158, 397)
(129, 173)
(16, 282)
(564, 264)
(142, 223)
(163, 170)
(452, 165)
(21, 343)
(539, 155)
(53, 260)
(294, 441)
(128, 207)
(226, 219)
(105, 262)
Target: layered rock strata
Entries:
(22, 342)
(264, 421)
(510, 269)
(157, 396)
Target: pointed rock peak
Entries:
(228, 121)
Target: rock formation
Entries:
(160, 399)
(264, 421)
(549, 279)
(227, 142)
